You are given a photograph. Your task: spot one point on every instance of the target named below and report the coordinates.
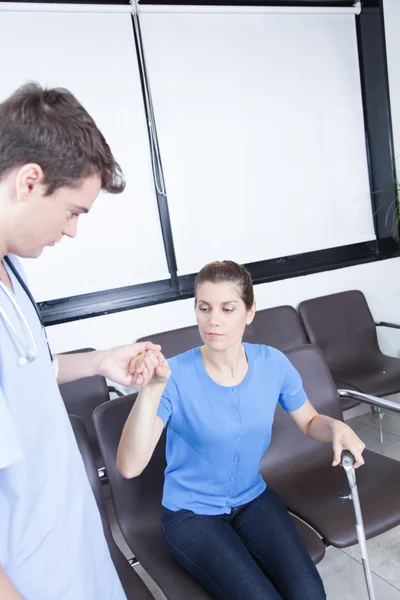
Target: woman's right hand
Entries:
(149, 368)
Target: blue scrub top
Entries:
(217, 435)
(52, 545)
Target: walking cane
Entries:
(347, 464)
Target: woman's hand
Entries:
(344, 438)
(149, 368)
(325, 429)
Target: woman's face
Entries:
(221, 314)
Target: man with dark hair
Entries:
(53, 163)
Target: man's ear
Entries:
(29, 181)
(251, 313)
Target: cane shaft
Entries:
(360, 531)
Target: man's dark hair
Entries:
(51, 128)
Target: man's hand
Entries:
(119, 364)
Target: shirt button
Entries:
(238, 437)
(236, 413)
(236, 459)
(232, 479)
(234, 389)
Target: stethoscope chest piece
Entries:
(26, 344)
(25, 360)
(28, 348)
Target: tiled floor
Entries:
(341, 570)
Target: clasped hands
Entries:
(134, 365)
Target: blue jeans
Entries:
(254, 553)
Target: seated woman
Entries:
(219, 518)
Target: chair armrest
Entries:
(372, 400)
(385, 324)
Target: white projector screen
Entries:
(392, 28)
(261, 132)
(93, 55)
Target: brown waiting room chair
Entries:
(133, 586)
(279, 327)
(176, 341)
(300, 469)
(81, 397)
(343, 327)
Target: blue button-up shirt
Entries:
(218, 434)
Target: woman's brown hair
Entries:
(228, 271)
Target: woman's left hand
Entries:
(344, 438)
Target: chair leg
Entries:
(378, 413)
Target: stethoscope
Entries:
(28, 348)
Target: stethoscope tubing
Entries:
(31, 351)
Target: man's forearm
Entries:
(7, 590)
(76, 366)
